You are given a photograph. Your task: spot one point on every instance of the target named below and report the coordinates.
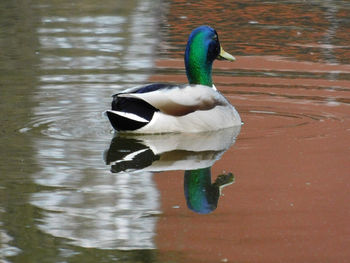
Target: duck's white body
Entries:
(182, 108)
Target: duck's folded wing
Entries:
(181, 100)
(148, 88)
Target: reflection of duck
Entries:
(159, 108)
(202, 196)
(195, 153)
(168, 151)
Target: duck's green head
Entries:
(203, 47)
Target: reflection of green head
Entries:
(201, 196)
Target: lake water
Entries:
(275, 190)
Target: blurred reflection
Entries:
(194, 153)
(84, 58)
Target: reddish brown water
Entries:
(289, 200)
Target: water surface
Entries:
(276, 190)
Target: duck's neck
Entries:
(198, 68)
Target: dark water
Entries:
(277, 189)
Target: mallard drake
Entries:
(194, 107)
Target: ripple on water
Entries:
(71, 127)
(272, 92)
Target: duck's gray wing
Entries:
(179, 100)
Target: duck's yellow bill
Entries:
(224, 55)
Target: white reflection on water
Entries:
(87, 62)
(106, 44)
(106, 212)
(94, 21)
(81, 201)
(7, 250)
(80, 30)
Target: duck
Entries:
(198, 106)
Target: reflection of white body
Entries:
(185, 151)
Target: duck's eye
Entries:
(215, 37)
